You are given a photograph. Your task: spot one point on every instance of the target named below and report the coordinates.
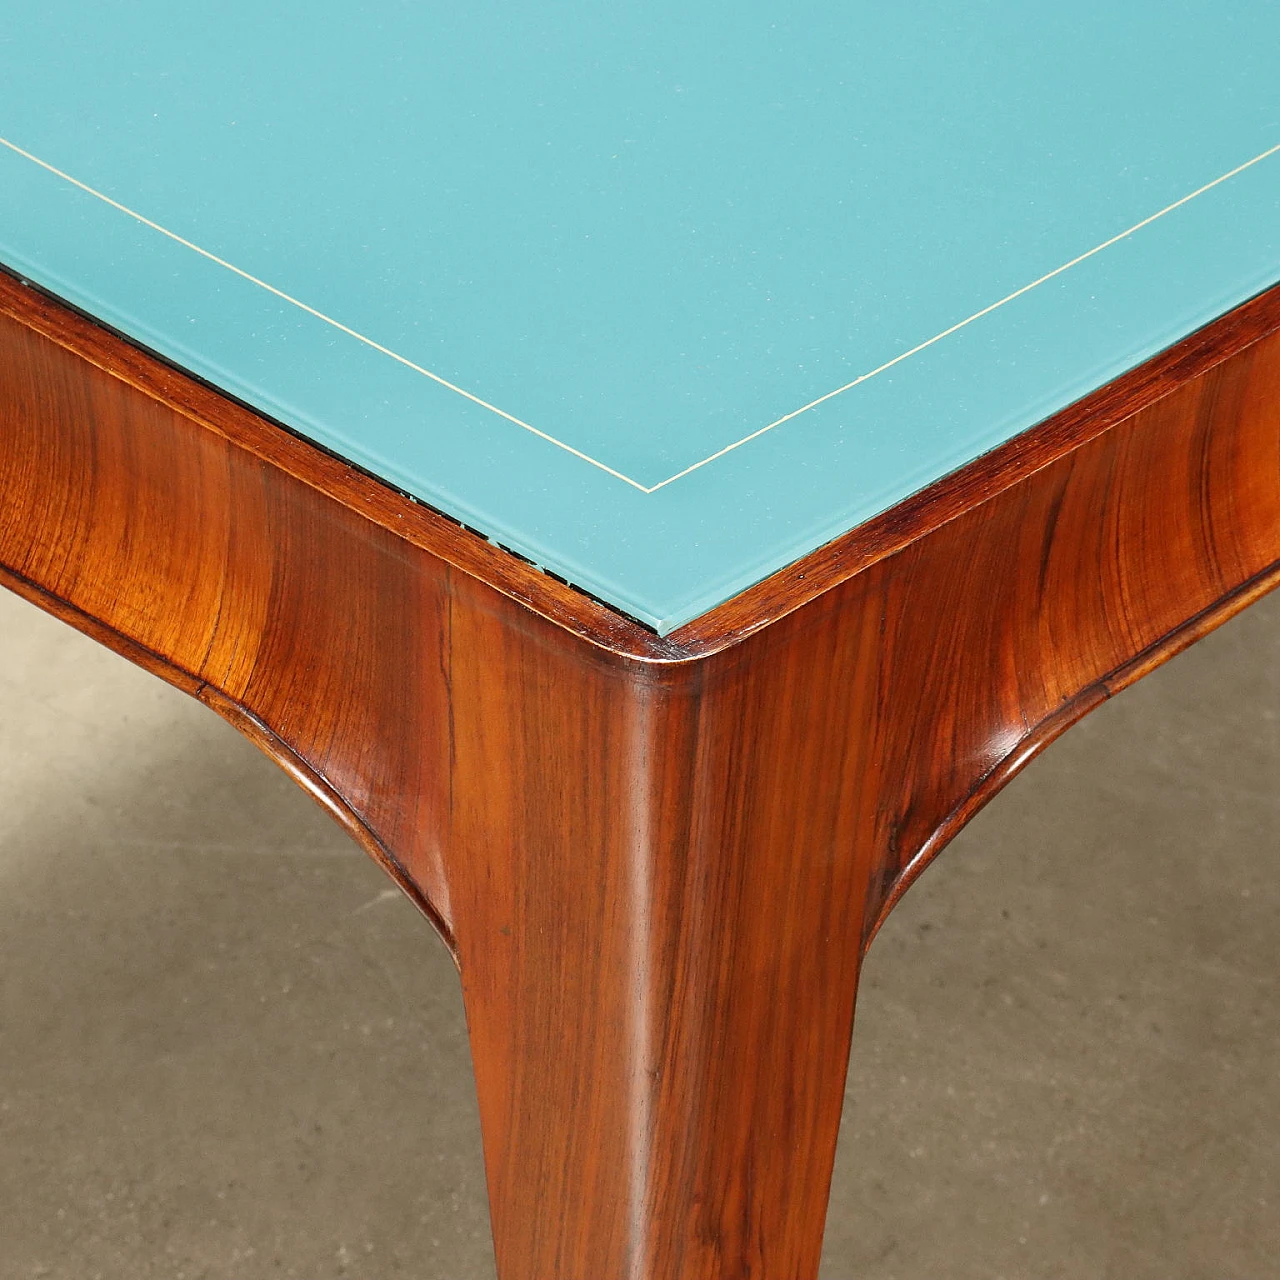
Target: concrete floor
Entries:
(228, 1050)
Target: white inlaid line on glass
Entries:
(977, 315)
(568, 448)
(319, 315)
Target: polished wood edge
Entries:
(598, 624)
(1054, 726)
(418, 524)
(309, 779)
(979, 481)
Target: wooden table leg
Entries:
(658, 971)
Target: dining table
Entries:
(653, 473)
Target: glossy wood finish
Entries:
(658, 862)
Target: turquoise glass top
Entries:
(660, 295)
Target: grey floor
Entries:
(227, 1049)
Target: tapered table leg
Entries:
(658, 965)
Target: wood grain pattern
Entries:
(658, 861)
